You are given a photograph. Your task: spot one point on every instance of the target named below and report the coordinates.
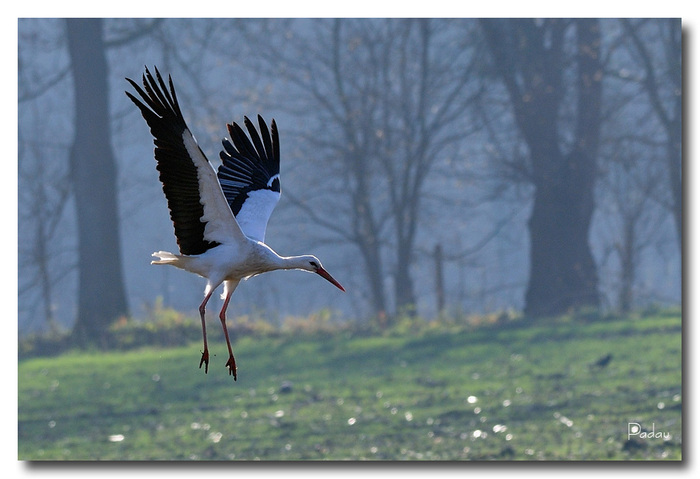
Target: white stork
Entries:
(219, 217)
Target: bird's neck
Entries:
(292, 262)
(273, 261)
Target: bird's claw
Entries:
(231, 364)
(205, 361)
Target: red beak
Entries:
(324, 274)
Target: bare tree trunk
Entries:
(439, 280)
(562, 270)
(628, 259)
(367, 240)
(406, 218)
(531, 60)
(101, 297)
(375, 275)
(43, 264)
(403, 284)
(674, 159)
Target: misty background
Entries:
(416, 155)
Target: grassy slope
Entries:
(518, 392)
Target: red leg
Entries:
(205, 353)
(231, 363)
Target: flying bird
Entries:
(219, 217)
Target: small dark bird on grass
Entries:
(602, 362)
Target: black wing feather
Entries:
(266, 138)
(178, 173)
(255, 138)
(240, 140)
(249, 164)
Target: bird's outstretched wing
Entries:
(201, 216)
(250, 175)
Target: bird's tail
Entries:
(165, 258)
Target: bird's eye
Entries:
(313, 263)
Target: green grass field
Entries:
(512, 391)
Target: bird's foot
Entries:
(231, 364)
(205, 361)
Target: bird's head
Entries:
(312, 264)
